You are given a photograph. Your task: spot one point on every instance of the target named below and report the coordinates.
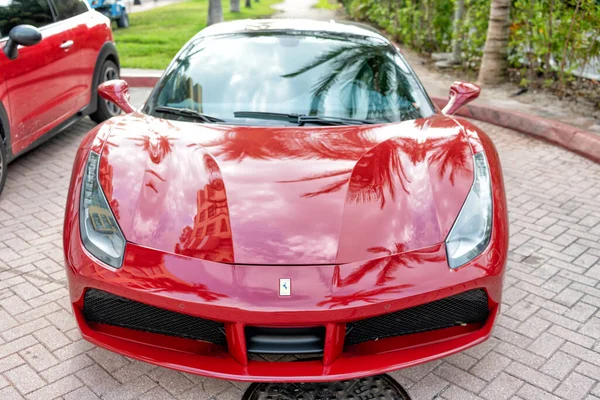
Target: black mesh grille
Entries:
(465, 308)
(106, 308)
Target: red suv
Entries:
(53, 55)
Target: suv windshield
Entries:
(272, 78)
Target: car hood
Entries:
(285, 195)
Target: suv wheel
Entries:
(106, 109)
(3, 164)
(123, 22)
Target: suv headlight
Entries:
(471, 232)
(100, 233)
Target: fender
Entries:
(5, 132)
(107, 51)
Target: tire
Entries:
(3, 164)
(123, 22)
(106, 109)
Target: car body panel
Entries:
(39, 66)
(89, 32)
(329, 295)
(284, 195)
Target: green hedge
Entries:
(541, 36)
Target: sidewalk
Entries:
(303, 9)
(148, 5)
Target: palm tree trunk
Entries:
(494, 64)
(563, 62)
(547, 69)
(459, 11)
(234, 6)
(429, 24)
(530, 52)
(215, 12)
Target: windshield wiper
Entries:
(186, 112)
(302, 119)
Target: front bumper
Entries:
(322, 296)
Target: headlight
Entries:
(471, 232)
(100, 232)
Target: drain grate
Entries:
(375, 387)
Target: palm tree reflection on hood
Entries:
(149, 272)
(386, 267)
(368, 296)
(388, 264)
(380, 171)
(377, 171)
(380, 168)
(361, 68)
(344, 143)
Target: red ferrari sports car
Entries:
(288, 205)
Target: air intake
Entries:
(465, 308)
(106, 308)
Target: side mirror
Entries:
(461, 93)
(117, 91)
(24, 35)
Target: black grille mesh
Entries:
(465, 308)
(106, 308)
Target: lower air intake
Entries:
(465, 308)
(106, 308)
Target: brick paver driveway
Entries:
(545, 346)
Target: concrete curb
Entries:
(575, 139)
(572, 138)
(141, 81)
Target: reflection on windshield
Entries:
(368, 80)
(310, 74)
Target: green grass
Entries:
(328, 4)
(155, 36)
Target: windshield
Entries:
(234, 78)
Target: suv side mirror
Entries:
(461, 93)
(24, 35)
(117, 91)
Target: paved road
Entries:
(148, 5)
(546, 342)
(302, 9)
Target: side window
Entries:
(17, 12)
(69, 8)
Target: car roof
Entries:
(298, 25)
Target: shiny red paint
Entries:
(331, 293)
(461, 93)
(261, 183)
(117, 91)
(355, 216)
(48, 85)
